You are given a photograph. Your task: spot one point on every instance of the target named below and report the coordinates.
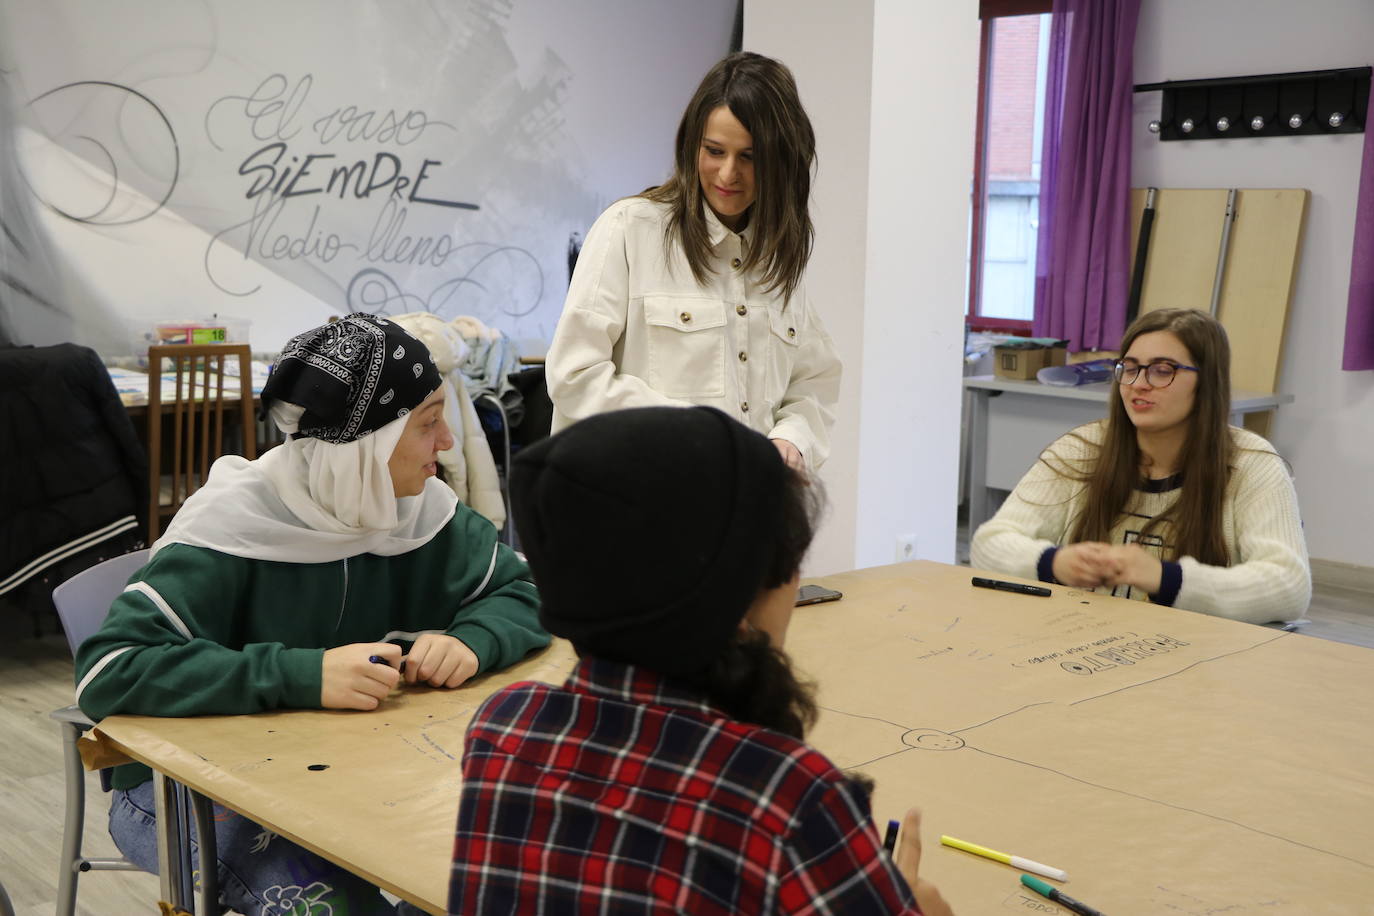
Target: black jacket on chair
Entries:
(73, 475)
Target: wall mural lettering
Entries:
(295, 174)
(348, 157)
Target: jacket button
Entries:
(791, 332)
(743, 357)
(735, 263)
(741, 310)
(744, 407)
(685, 317)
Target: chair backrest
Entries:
(196, 402)
(84, 599)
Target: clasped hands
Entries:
(1092, 564)
(350, 680)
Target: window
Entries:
(1006, 184)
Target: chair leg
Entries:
(207, 900)
(74, 823)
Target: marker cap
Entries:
(1039, 868)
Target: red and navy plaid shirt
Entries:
(622, 793)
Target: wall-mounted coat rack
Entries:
(1275, 105)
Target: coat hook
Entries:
(1235, 107)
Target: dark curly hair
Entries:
(752, 680)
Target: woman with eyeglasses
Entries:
(1163, 500)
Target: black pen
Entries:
(1011, 587)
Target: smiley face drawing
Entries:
(932, 739)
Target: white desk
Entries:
(1010, 422)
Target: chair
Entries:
(498, 438)
(82, 603)
(197, 409)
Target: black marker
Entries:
(1059, 897)
(1012, 587)
(378, 660)
(890, 841)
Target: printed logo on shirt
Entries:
(1157, 547)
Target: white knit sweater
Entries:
(1268, 579)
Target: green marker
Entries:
(1064, 900)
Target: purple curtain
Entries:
(1083, 258)
(1359, 310)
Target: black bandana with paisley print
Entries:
(352, 376)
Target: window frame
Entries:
(988, 10)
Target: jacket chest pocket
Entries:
(686, 346)
(784, 342)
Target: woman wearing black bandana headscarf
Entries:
(282, 578)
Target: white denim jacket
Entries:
(638, 331)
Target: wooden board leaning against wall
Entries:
(1256, 285)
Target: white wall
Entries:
(1328, 432)
(921, 168)
(891, 209)
(537, 111)
(836, 93)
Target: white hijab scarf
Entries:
(310, 501)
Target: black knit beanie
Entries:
(649, 531)
(352, 376)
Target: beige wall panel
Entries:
(1261, 268)
(1258, 284)
(1183, 246)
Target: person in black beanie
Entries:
(669, 773)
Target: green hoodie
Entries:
(199, 632)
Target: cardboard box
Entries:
(1021, 359)
(214, 329)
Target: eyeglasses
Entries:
(1159, 373)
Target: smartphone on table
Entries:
(815, 594)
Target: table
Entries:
(132, 387)
(398, 767)
(1011, 421)
(1170, 762)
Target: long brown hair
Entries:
(761, 93)
(1206, 460)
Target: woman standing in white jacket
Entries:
(693, 292)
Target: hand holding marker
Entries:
(378, 660)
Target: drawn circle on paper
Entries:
(134, 160)
(932, 739)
